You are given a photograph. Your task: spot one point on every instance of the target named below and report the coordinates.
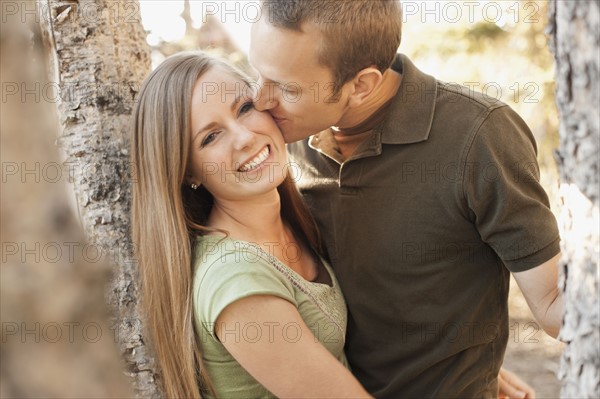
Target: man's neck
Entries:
(383, 93)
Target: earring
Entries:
(194, 186)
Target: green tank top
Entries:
(226, 270)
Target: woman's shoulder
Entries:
(223, 255)
(228, 270)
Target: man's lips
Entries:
(277, 119)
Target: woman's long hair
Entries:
(167, 216)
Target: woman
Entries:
(238, 301)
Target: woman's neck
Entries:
(257, 220)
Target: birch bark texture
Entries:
(575, 41)
(99, 52)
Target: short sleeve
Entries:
(502, 189)
(233, 276)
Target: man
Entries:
(427, 195)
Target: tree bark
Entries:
(99, 50)
(55, 337)
(575, 34)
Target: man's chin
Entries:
(292, 137)
(289, 136)
(289, 139)
(289, 133)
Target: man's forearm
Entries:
(540, 289)
(551, 313)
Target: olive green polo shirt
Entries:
(423, 224)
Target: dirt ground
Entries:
(531, 353)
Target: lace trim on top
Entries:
(325, 297)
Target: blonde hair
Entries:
(167, 216)
(356, 33)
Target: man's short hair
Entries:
(356, 33)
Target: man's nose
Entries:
(265, 96)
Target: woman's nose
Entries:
(244, 137)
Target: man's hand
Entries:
(511, 386)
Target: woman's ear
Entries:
(365, 82)
(190, 181)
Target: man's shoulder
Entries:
(468, 96)
(424, 103)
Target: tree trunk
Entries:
(55, 337)
(99, 50)
(575, 31)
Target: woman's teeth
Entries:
(256, 161)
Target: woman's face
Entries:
(236, 151)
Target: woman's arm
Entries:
(283, 355)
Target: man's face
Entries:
(292, 85)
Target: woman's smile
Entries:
(256, 161)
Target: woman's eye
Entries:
(209, 138)
(246, 107)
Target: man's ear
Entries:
(365, 82)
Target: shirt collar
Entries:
(410, 115)
(325, 143)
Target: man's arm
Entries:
(540, 289)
